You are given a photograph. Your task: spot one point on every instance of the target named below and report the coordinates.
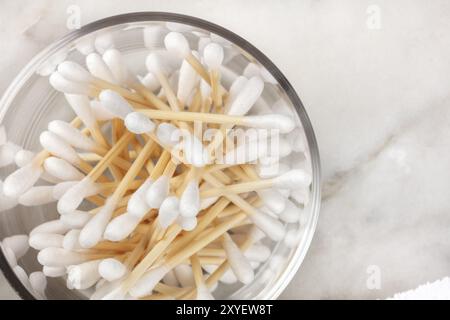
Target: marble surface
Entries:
(374, 77)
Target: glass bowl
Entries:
(30, 103)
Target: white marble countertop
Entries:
(377, 92)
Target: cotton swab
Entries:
(290, 180)
(75, 220)
(238, 262)
(121, 226)
(177, 43)
(53, 272)
(73, 136)
(84, 275)
(23, 179)
(190, 200)
(8, 152)
(6, 202)
(62, 169)
(38, 282)
(37, 196)
(52, 226)
(18, 244)
(111, 269)
(40, 241)
(168, 211)
(187, 81)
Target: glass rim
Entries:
(134, 17)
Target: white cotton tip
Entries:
(154, 36)
(22, 275)
(38, 282)
(52, 226)
(238, 84)
(92, 232)
(21, 180)
(168, 211)
(61, 188)
(3, 136)
(85, 44)
(184, 274)
(156, 64)
(238, 262)
(138, 123)
(228, 276)
(170, 279)
(272, 169)
(58, 147)
(37, 196)
(6, 202)
(71, 135)
(115, 103)
(187, 223)
(76, 219)
(59, 83)
(115, 62)
(23, 157)
(150, 82)
(188, 80)
(256, 234)
(273, 199)
(83, 275)
(293, 179)
(74, 72)
(246, 152)
(293, 237)
(18, 244)
(81, 105)
(62, 169)
(213, 56)
(41, 241)
(271, 121)
(203, 293)
(59, 257)
(111, 269)
(137, 206)
(247, 97)
(194, 151)
(70, 241)
(291, 214)
(54, 272)
(251, 70)
(144, 286)
(190, 200)
(258, 253)
(8, 152)
(101, 113)
(202, 43)
(73, 197)
(104, 41)
(296, 139)
(157, 192)
(98, 68)
(301, 195)
(272, 227)
(168, 134)
(207, 202)
(177, 43)
(121, 227)
(9, 255)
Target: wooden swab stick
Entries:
(279, 122)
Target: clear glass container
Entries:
(30, 103)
